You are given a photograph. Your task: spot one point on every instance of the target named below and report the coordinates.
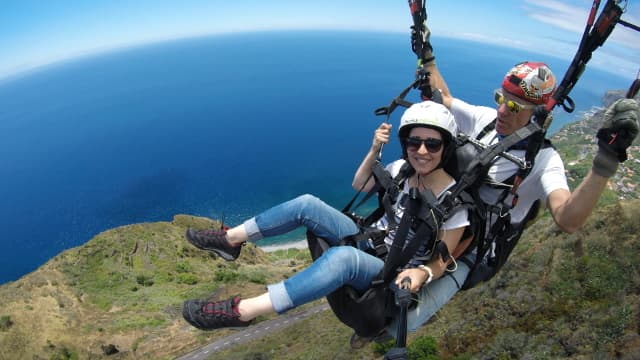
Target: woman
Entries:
(426, 133)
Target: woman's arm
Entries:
(438, 267)
(380, 137)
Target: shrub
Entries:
(189, 279)
(5, 322)
(614, 324)
(423, 348)
(382, 347)
(225, 276)
(64, 353)
(183, 267)
(508, 344)
(144, 280)
(257, 278)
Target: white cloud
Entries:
(490, 39)
(558, 14)
(627, 36)
(573, 18)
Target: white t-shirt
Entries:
(459, 219)
(547, 175)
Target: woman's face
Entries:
(424, 149)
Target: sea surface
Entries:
(222, 126)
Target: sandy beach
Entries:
(302, 244)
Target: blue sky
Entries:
(37, 32)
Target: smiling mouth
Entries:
(422, 160)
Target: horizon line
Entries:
(25, 70)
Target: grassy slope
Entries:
(560, 296)
(125, 287)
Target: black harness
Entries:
(369, 312)
(494, 246)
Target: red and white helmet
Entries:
(530, 81)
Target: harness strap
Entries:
(443, 251)
(347, 207)
(391, 193)
(374, 237)
(384, 184)
(487, 129)
(398, 100)
(536, 140)
(432, 211)
(480, 164)
(397, 255)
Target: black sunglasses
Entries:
(432, 145)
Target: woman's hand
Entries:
(381, 136)
(362, 180)
(417, 276)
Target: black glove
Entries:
(618, 131)
(421, 45)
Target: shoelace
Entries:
(221, 309)
(215, 232)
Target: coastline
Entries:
(300, 244)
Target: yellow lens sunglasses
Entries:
(513, 106)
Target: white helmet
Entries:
(432, 115)
(428, 114)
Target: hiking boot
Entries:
(358, 342)
(214, 240)
(209, 315)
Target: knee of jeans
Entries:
(339, 258)
(307, 200)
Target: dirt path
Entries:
(252, 332)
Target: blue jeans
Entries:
(338, 266)
(305, 210)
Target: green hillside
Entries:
(125, 288)
(559, 297)
(577, 145)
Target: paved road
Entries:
(252, 332)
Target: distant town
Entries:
(577, 144)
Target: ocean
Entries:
(222, 126)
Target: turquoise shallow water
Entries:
(216, 126)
